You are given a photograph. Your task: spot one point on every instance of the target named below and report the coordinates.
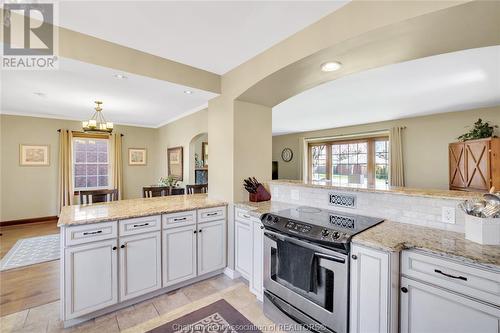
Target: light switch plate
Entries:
(295, 195)
(448, 215)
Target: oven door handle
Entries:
(327, 257)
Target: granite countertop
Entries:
(394, 237)
(428, 193)
(123, 209)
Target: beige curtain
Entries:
(66, 192)
(117, 163)
(397, 175)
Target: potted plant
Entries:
(479, 131)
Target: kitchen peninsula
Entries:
(119, 253)
(402, 272)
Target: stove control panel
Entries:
(298, 227)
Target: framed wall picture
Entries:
(175, 162)
(137, 156)
(34, 155)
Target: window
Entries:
(90, 163)
(363, 161)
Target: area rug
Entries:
(30, 251)
(218, 317)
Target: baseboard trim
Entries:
(27, 221)
(231, 273)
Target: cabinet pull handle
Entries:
(140, 225)
(200, 230)
(404, 290)
(212, 214)
(246, 216)
(262, 227)
(114, 248)
(122, 246)
(450, 276)
(92, 232)
(180, 219)
(354, 257)
(195, 231)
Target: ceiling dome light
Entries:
(40, 94)
(189, 92)
(331, 66)
(120, 76)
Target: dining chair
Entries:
(95, 196)
(155, 191)
(197, 188)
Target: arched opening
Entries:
(198, 159)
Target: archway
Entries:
(198, 159)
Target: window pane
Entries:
(380, 146)
(363, 147)
(103, 180)
(335, 149)
(318, 162)
(80, 156)
(353, 148)
(381, 158)
(80, 170)
(91, 157)
(80, 145)
(103, 157)
(343, 159)
(381, 174)
(91, 169)
(80, 182)
(353, 159)
(362, 158)
(102, 169)
(344, 149)
(92, 181)
(91, 145)
(102, 145)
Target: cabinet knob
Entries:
(404, 289)
(354, 257)
(122, 246)
(195, 232)
(262, 227)
(200, 230)
(114, 248)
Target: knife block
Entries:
(260, 195)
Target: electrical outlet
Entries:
(448, 215)
(295, 195)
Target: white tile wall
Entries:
(395, 207)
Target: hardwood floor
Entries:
(31, 286)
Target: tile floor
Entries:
(145, 315)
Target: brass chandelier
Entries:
(97, 124)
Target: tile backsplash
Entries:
(416, 210)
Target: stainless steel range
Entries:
(306, 267)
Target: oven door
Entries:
(327, 304)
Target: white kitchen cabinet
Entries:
(90, 278)
(140, 264)
(374, 289)
(427, 309)
(179, 254)
(257, 280)
(243, 248)
(211, 246)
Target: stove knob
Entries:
(335, 234)
(275, 219)
(324, 232)
(269, 217)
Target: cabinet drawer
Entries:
(178, 219)
(87, 233)
(139, 225)
(242, 215)
(211, 214)
(473, 281)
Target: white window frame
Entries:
(73, 151)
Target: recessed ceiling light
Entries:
(331, 66)
(189, 92)
(39, 94)
(120, 76)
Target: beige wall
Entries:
(180, 133)
(28, 192)
(425, 144)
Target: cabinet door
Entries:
(478, 164)
(425, 309)
(370, 291)
(140, 264)
(179, 254)
(457, 165)
(243, 248)
(257, 281)
(90, 273)
(211, 246)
